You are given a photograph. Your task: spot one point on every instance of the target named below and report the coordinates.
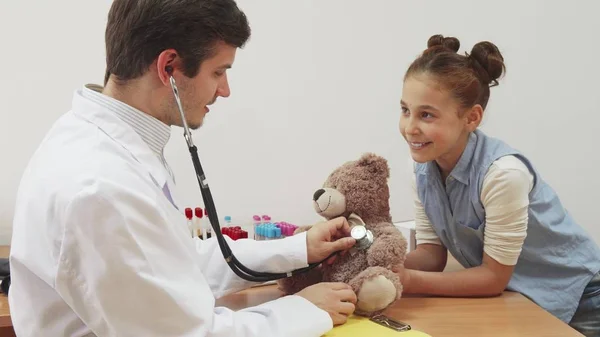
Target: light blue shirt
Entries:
(558, 258)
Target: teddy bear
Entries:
(358, 190)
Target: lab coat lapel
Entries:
(122, 133)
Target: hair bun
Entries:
(490, 59)
(440, 42)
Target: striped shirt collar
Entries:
(152, 131)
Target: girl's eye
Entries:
(427, 115)
(404, 110)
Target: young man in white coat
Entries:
(100, 246)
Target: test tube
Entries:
(189, 216)
(207, 224)
(255, 223)
(199, 227)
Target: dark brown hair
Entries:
(139, 30)
(469, 77)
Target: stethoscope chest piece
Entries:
(363, 237)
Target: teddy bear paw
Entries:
(376, 294)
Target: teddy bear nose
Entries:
(318, 193)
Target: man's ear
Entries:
(473, 117)
(167, 63)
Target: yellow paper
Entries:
(362, 326)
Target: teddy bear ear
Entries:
(375, 163)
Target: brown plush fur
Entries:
(359, 187)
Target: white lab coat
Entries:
(99, 250)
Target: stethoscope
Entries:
(362, 236)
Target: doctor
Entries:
(100, 246)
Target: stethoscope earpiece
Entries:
(186, 130)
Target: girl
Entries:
(483, 201)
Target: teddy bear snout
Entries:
(318, 193)
(329, 202)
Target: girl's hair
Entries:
(468, 77)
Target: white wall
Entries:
(318, 84)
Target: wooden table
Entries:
(510, 314)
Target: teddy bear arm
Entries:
(294, 284)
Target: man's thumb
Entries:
(344, 243)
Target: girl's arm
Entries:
(427, 257)
(430, 254)
(505, 197)
(488, 279)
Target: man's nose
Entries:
(224, 90)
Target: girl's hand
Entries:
(404, 275)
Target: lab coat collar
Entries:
(154, 132)
(119, 131)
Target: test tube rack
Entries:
(273, 230)
(235, 233)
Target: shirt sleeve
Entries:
(424, 232)
(125, 271)
(505, 197)
(275, 256)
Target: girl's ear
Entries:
(473, 117)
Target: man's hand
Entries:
(326, 238)
(337, 299)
